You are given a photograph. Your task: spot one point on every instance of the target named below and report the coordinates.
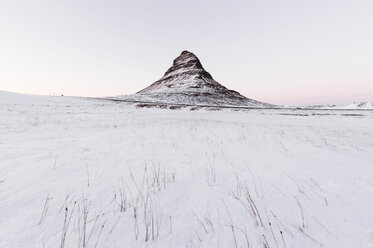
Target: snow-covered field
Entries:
(78, 172)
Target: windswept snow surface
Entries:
(80, 172)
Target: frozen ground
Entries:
(78, 172)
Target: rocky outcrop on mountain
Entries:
(187, 82)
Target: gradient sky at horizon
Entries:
(282, 52)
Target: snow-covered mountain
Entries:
(187, 82)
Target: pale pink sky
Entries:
(283, 52)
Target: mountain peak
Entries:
(187, 53)
(185, 73)
(187, 63)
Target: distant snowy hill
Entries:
(358, 105)
(354, 106)
(187, 82)
(6, 95)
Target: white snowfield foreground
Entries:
(78, 172)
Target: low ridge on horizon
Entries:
(187, 82)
